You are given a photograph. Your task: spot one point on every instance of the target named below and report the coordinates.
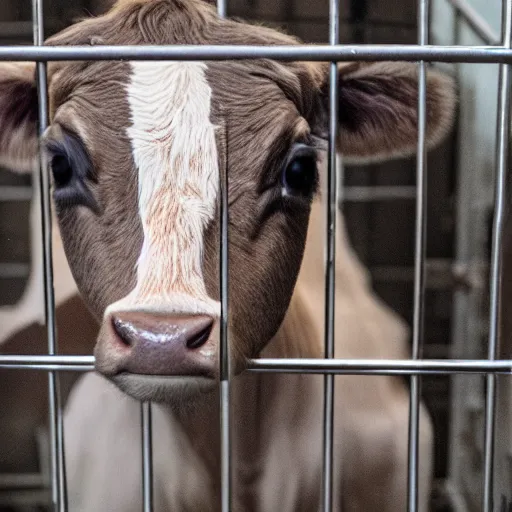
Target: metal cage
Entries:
(497, 51)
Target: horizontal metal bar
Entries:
(380, 366)
(476, 54)
(14, 270)
(47, 362)
(319, 366)
(357, 194)
(16, 29)
(12, 194)
(22, 481)
(25, 498)
(478, 24)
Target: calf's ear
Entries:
(18, 116)
(378, 109)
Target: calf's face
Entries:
(136, 150)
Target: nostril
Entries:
(125, 331)
(200, 338)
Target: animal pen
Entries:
(460, 327)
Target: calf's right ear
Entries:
(378, 109)
(18, 116)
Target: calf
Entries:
(135, 152)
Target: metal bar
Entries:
(317, 366)
(412, 479)
(330, 263)
(22, 499)
(47, 363)
(55, 409)
(381, 366)
(412, 53)
(225, 388)
(147, 457)
(419, 265)
(356, 194)
(478, 24)
(503, 134)
(224, 353)
(11, 193)
(22, 481)
(16, 29)
(34, 362)
(222, 8)
(14, 270)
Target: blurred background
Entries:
(379, 202)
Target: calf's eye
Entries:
(61, 170)
(300, 175)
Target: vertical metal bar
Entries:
(224, 341)
(58, 470)
(330, 263)
(419, 265)
(147, 457)
(222, 8)
(503, 129)
(225, 363)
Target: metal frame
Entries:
(329, 366)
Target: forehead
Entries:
(167, 22)
(261, 100)
(231, 82)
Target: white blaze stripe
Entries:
(175, 153)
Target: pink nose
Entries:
(156, 345)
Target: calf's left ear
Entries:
(378, 109)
